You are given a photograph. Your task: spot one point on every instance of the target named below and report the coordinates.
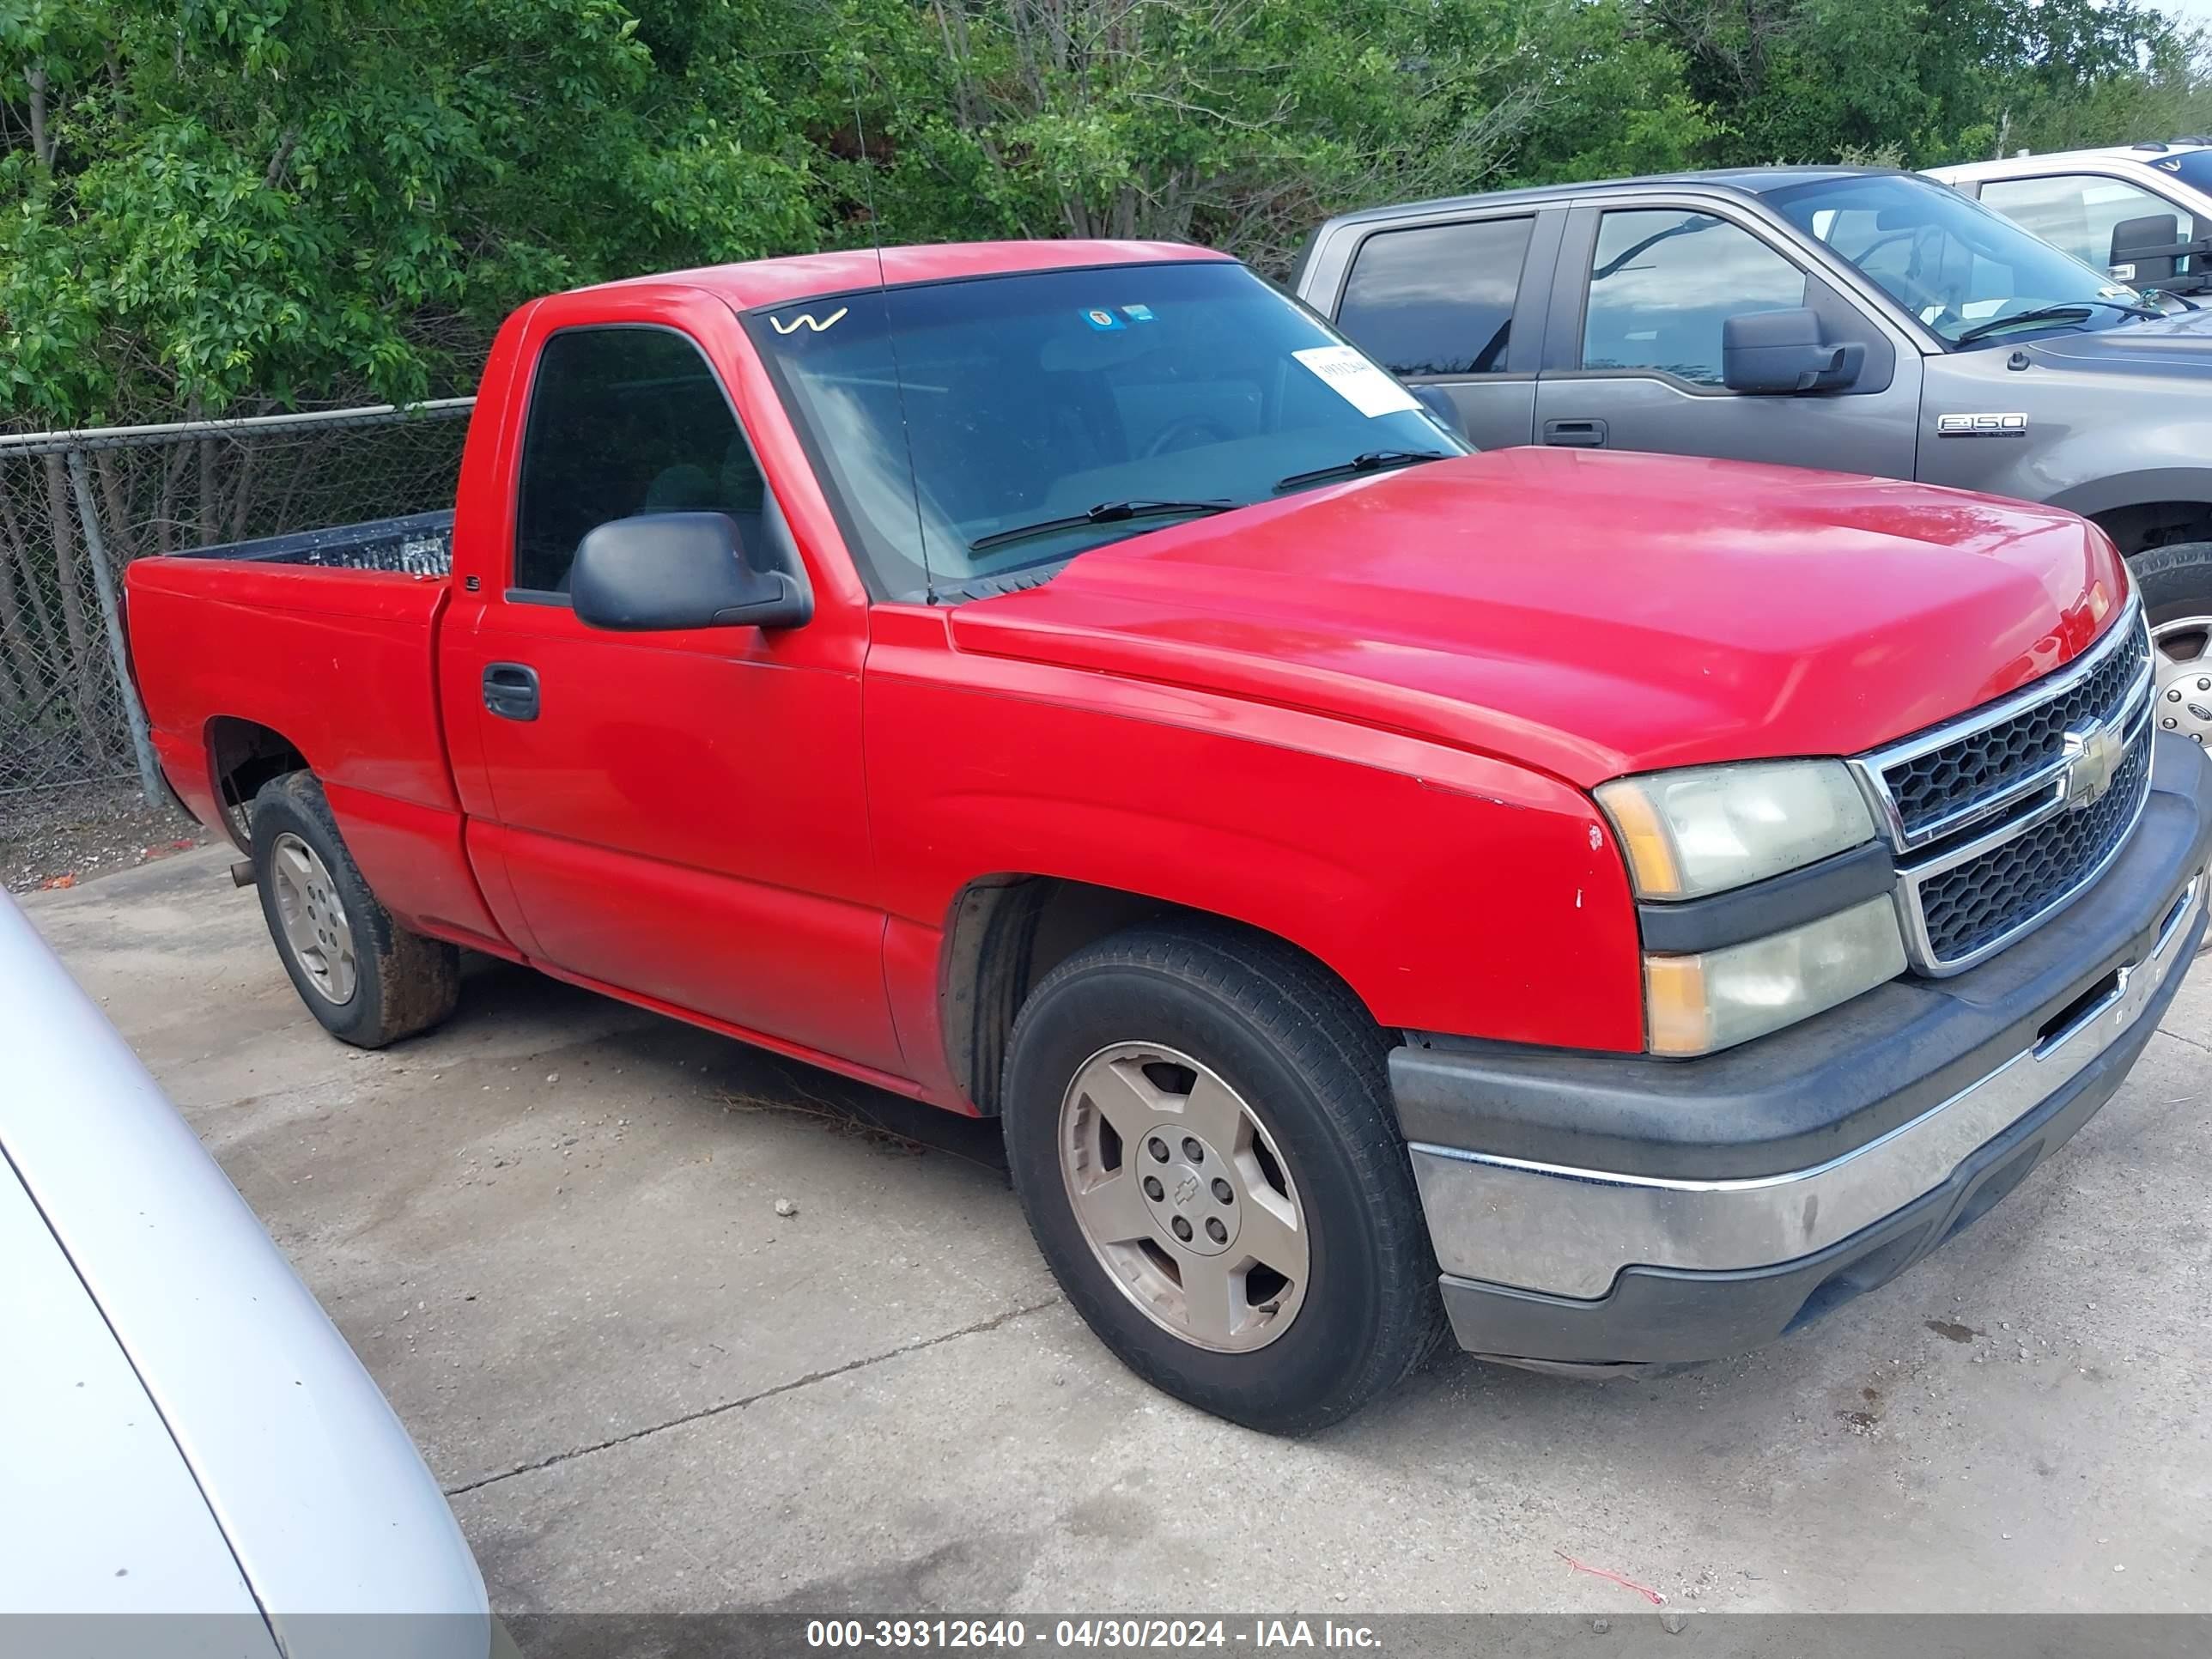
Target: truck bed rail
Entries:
(415, 544)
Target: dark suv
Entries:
(1862, 320)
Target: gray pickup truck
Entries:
(1862, 320)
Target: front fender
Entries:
(1452, 892)
(2139, 488)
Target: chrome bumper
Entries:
(1569, 1232)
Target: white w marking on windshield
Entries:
(807, 318)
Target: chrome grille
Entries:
(1942, 788)
(1995, 817)
(1994, 894)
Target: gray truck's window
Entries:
(1437, 300)
(2077, 212)
(622, 421)
(1662, 282)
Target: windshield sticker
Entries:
(1102, 319)
(1358, 381)
(806, 320)
(1137, 313)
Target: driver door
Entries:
(678, 814)
(1632, 354)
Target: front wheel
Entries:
(1200, 1130)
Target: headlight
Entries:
(1696, 1004)
(1706, 828)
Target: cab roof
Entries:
(1743, 181)
(2146, 155)
(759, 283)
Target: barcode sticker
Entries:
(1358, 381)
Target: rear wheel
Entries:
(1201, 1133)
(369, 981)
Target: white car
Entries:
(2077, 199)
(186, 1433)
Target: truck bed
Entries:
(324, 642)
(415, 544)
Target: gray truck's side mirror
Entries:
(1780, 352)
(1440, 407)
(661, 570)
(2144, 250)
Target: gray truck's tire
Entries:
(2176, 580)
(369, 981)
(1282, 1054)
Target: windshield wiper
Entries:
(1105, 513)
(1373, 461)
(2070, 311)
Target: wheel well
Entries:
(2155, 523)
(1005, 934)
(243, 755)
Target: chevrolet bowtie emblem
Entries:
(2092, 756)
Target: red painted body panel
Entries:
(1453, 892)
(806, 275)
(335, 662)
(1365, 718)
(1591, 613)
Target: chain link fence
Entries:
(76, 507)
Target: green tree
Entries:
(247, 201)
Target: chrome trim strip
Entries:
(1870, 768)
(1569, 1232)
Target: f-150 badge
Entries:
(1981, 426)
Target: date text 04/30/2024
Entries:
(1108, 1634)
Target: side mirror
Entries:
(2146, 250)
(1440, 407)
(662, 570)
(1780, 352)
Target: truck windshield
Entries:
(1956, 265)
(974, 429)
(2191, 166)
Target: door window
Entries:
(2077, 212)
(1437, 300)
(624, 421)
(1663, 281)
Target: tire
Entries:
(1108, 1033)
(2176, 580)
(369, 981)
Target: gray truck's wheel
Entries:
(2177, 591)
(2176, 581)
(368, 980)
(1201, 1133)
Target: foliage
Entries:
(224, 205)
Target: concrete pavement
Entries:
(551, 1231)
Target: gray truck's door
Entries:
(1632, 351)
(1455, 302)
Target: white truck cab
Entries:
(2095, 203)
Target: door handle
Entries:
(1576, 434)
(510, 690)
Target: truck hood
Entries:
(1588, 613)
(2178, 345)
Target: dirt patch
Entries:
(58, 838)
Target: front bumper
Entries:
(1592, 1211)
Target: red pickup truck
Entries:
(1622, 905)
